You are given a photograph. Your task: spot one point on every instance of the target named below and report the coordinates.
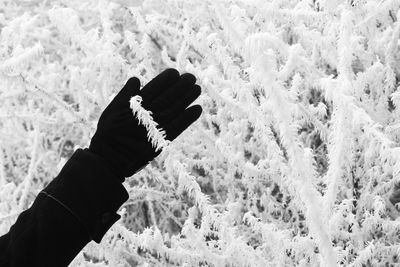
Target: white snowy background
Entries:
(291, 162)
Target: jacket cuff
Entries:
(87, 188)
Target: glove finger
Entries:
(179, 106)
(157, 85)
(121, 100)
(183, 121)
(173, 93)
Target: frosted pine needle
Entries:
(154, 135)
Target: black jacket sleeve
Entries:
(78, 206)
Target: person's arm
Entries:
(80, 204)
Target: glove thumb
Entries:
(131, 88)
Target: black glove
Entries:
(119, 137)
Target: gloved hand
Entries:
(119, 137)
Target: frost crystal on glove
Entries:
(154, 135)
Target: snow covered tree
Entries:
(295, 160)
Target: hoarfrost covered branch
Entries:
(292, 162)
